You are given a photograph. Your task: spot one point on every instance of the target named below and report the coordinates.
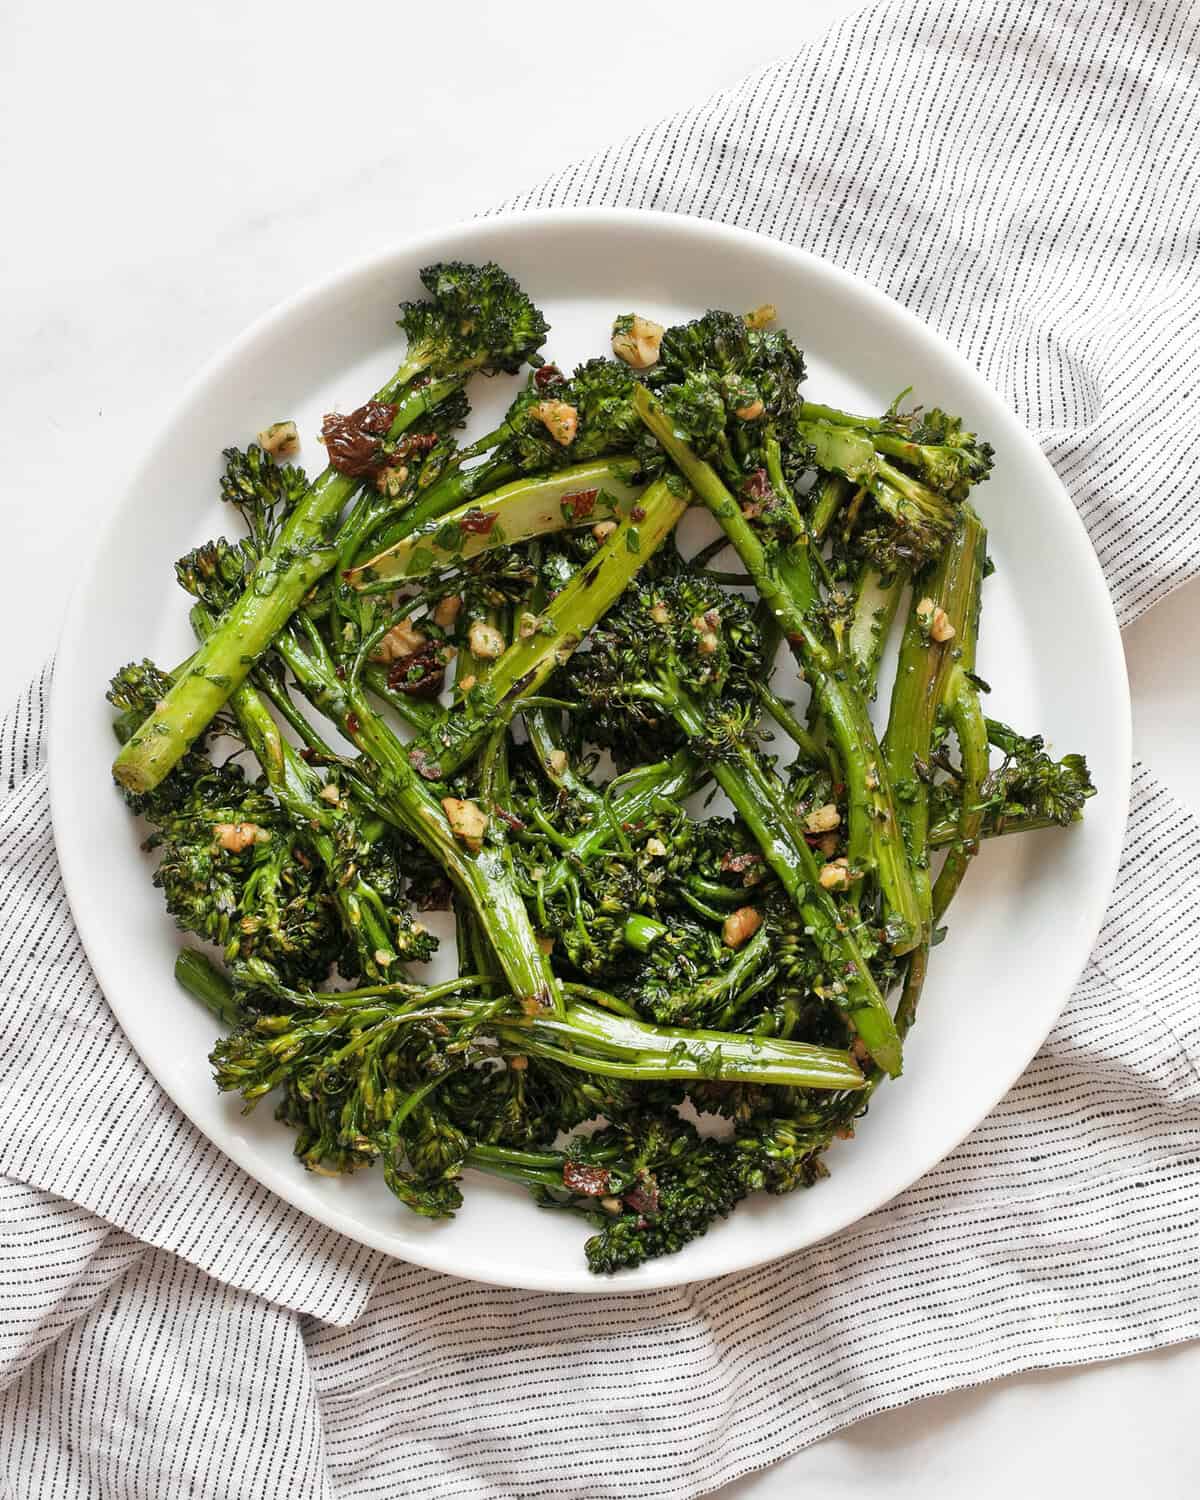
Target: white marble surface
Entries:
(170, 171)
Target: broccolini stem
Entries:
(572, 612)
(642, 932)
(786, 581)
(299, 558)
(517, 512)
(530, 1168)
(953, 584)
(960, 699)
(761, 801)
(614, 1046)
(481, 878)
(831, 494)
(450, 490)
(297, 788)
(805, 741)
(197, 973)
(603, 998)
(945, 831)
(875, 604)
(966, 717)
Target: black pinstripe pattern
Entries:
(1024, 175)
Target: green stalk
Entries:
(642, 932)
(529, 1168)
(875, 604)
(451, 489)
(919, 691)
(482, 879)
(197, 973)
(831, 495)
(526, 665)
(945, 832)
(804, 740)
(297, 787)
(514, 513)
(595, 1041)
(760, 800)
(300, 558)
(960, 699)
(787, 583)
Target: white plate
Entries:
(1024, 924)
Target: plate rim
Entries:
(670, 1271)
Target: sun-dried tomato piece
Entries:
(420, 674)
(592, 1182)
(581, 504)
(642, 1197)
(757, 486)
(354, 442)
(477, 522)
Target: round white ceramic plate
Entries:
(1028, 914)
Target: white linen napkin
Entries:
(1025, 176)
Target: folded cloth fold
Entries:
(1025, 177)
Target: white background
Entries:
(167, 172)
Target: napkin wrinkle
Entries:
(65, 1258)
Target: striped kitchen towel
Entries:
(1024, 175)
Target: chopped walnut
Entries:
(750, 412)
(835, 876)
(659, 613)
(468, 822)
(933, 618)
(560, 420)
(401, 640)
(823, 819)
(445, 611)
(467, 683)
(485, 640)
(740, 925)
(636, 340)
(611, 1205)
(280, 440)
(391, 480)
(602, 530)
(238, 836)
(558, 762)
(330, 793)
(762, 316)
(827, 844)
(527, 625)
